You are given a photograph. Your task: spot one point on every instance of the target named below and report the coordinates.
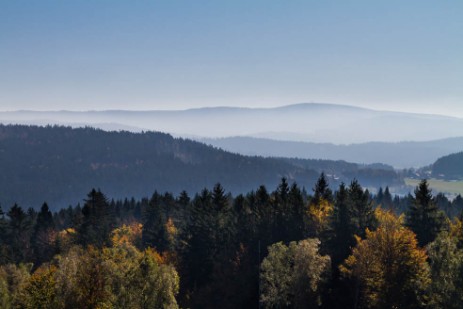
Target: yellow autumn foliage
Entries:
(319, 214)
(388, 266)
(127, 234)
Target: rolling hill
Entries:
(449, 167)
(399, 155)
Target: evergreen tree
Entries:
(423, 216)
(320, 210)
(219, 198)
(199, 238)
(265, 214)
(379, 196)
(322, 190)
(154, 232)
(387, 200)
(183, 199)
(339, 246)
(97, 221)
(281, 229)
(361, 210)
(342, 231)
(44, 236)
(457, 205)
(297, 213)
(19, 233)
(222, 212)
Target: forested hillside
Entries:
(449, 167)
(398, 154)
(59, 164)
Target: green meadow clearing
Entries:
(437, 185)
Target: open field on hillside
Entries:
(437, 185)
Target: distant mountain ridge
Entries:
(399, 155)
(309, 122)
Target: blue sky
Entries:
(82, 55)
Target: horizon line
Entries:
(231, 108)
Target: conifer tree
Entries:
(457, 205)
(387, 200)
(361, 210)
(342, 231)
(43, 237)
(265, 215)
(183, 199)
(200, 242)
(154, 232)
(322, 190)
(379, 196)
(19, 230)
(423, 216)
(97, 220)
(320, 210)
(281, 210)
(296, 214)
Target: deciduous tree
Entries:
(387, 268)
(292, 276)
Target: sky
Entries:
(144, 55)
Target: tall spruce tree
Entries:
(339, 246)
(296, 214)
(387, 200)
(424, 217)
(280, 228)
(341, 225)
(19, 233)
(379, 196)
(361, 210)
(199, 237)
(222, 212)
(154, 232)
(265, 215)
(43, 237)
(322, 190)
(97, 221)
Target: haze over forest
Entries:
(308, 122)
(310, 131)
(231, 154)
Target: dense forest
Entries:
(59, 164)
(285, 248)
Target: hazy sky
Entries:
(81, 55)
